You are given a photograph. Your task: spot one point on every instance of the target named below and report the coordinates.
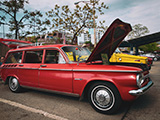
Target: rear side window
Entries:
(54, 57)
(33, 56)
(15, 57)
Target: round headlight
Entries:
(120, 59)
(140, 80)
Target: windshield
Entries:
(75, 53)
(117, 50)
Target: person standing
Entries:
(2, 60)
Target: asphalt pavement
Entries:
(147, 106)
(35, 105)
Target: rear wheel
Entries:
(104, 97)
(14, 85)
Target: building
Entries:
(56, 38)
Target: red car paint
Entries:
(76, 77)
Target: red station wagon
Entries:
(73, 70)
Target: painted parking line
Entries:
(30, 109)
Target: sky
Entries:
(145, 12)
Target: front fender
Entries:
(83, 92)
(122, 83)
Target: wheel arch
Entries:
(90, 83)
(9, 76)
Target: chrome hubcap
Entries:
(102, 97)
(13, 84)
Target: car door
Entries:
(11, 64)
(29, 68)
(54, 73)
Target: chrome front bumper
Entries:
(141, 90)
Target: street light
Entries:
(94, 22)
(76, 3)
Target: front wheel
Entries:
(14, 85)
(104, 97)
(155, 59)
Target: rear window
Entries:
(33, 56)
(15, 57)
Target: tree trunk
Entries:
(75, 34)
(16, 34)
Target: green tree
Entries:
(20, 21)
(137, 31)
(81, 17)
(149, 47)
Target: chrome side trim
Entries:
(55, 69)
(41, 69)
(141, 90)
(22, 68)
(106, 71)
(89, 70)
(77, 70)
(52, 91)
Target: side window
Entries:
(54, 57)
(33, 56)
(15, 57)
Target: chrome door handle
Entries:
(21, 65)
(43, 65)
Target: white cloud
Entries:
(147, 14)
(144, 12)
(46, 5)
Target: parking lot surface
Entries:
(34, 105)
(146, 107)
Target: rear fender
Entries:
(7, 78)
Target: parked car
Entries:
(67, 69)
(150, 61)
(151, 55)
(119, 58)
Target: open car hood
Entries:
(110, 41)
(11, 43)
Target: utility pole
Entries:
(94, 25)
(94, 22)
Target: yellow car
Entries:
(118, 58)
(132, 60)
